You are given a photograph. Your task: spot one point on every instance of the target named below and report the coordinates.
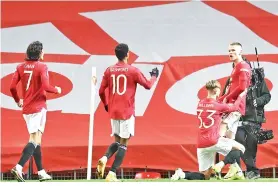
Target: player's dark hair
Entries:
(34, 51)
(121, 51)
(212, 84)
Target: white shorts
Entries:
(123, 128)
(35, 122)
(206, 156)
(232, 121)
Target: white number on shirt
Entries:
(116, 83)
(202, 124)
(30, 77)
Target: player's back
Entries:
(33, 93)
(122, 85)
(210, 117)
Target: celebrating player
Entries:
(33, 75)
(209, 113)
(121, 80)
(240, 80)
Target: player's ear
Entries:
(41, 55)
(240, 52)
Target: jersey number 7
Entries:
(29, 78)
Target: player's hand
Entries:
(155, 72)
(255, 103)
(59, 90)
(20, 103)
(225, 100)
(106, 108)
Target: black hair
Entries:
(121, 51)
(34, 51)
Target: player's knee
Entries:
(117, 138)
(230, 134)
(124, 141)
(238, 146)
(36, 137)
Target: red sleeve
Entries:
(142, 80)
(15, 80)
(226, 108)
(220, 99)
(103, 86)
(45, 81)
(242, 84)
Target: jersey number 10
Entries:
(116, 83)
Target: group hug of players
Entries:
(218, 116)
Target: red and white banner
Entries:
(187, 41)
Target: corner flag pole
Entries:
(91, 126)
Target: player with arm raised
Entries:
(209, 113)
(240, 80)
(121, 81)
(33, 75)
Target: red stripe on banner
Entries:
(25, 13)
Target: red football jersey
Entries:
(240, 80)
(209, 112)
(35, 81)
(121, 80)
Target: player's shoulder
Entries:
(243, 64)
(20, 66)
(133, 68)
(40, 66)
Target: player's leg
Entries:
(223, 129)
(206, 157)
(43, 176)
(232, 122)
(126, 131)
(108, 154)
(179, 174)
(115, 126)
(233, 155)
(224, 146)
(235, 171)
(113, 147)
(32, 122)
(223, 125)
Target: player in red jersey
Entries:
(121, 81)
(239, 81)
(33, 75)
(209, 113)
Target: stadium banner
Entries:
(189, 48)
